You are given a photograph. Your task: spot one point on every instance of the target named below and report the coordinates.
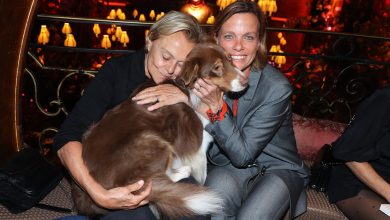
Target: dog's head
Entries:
(209, 61)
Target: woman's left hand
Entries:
(161, 95)
(209, 93)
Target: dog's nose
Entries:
(242, 78)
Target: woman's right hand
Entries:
(210, 94)
(161, 95)
(124, 197)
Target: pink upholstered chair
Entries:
(311, 134)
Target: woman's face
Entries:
(239, 36)
(166, 56)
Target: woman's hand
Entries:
(161, 95)
(209, 94)
(367, 174)
(116, 198)
(123, 197)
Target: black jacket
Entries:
(112, 85)
(367, 139)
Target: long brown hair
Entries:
(246, 6)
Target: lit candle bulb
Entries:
(135, 13)
(272, 7)
(43, 38)
(118, 32)
(124, 38)
(106, 43)
(152, 14)
(142, 17)
(280, 60)
(66, 29)
(44, 28)
(273, 49)
(118, 12)
(283, 41)
(96, 29)
(122, 16)
(210, 20)
(70, 41)
(261, 4)
(112, 14)
(159, 16)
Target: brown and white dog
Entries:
(131, 143)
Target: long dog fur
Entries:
(131, 143)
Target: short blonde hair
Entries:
(173, 22)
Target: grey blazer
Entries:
(262, 133)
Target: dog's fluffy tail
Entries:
(175, 200)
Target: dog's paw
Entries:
(180, 173)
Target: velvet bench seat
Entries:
(311, 134)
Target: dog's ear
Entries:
(189, 72)
(217, 68)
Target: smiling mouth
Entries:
(237, 57)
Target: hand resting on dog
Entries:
(110, 198)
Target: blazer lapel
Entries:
(246, 101)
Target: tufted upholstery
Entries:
(311, 134)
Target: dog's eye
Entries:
(218, 68)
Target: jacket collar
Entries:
(245, 101)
